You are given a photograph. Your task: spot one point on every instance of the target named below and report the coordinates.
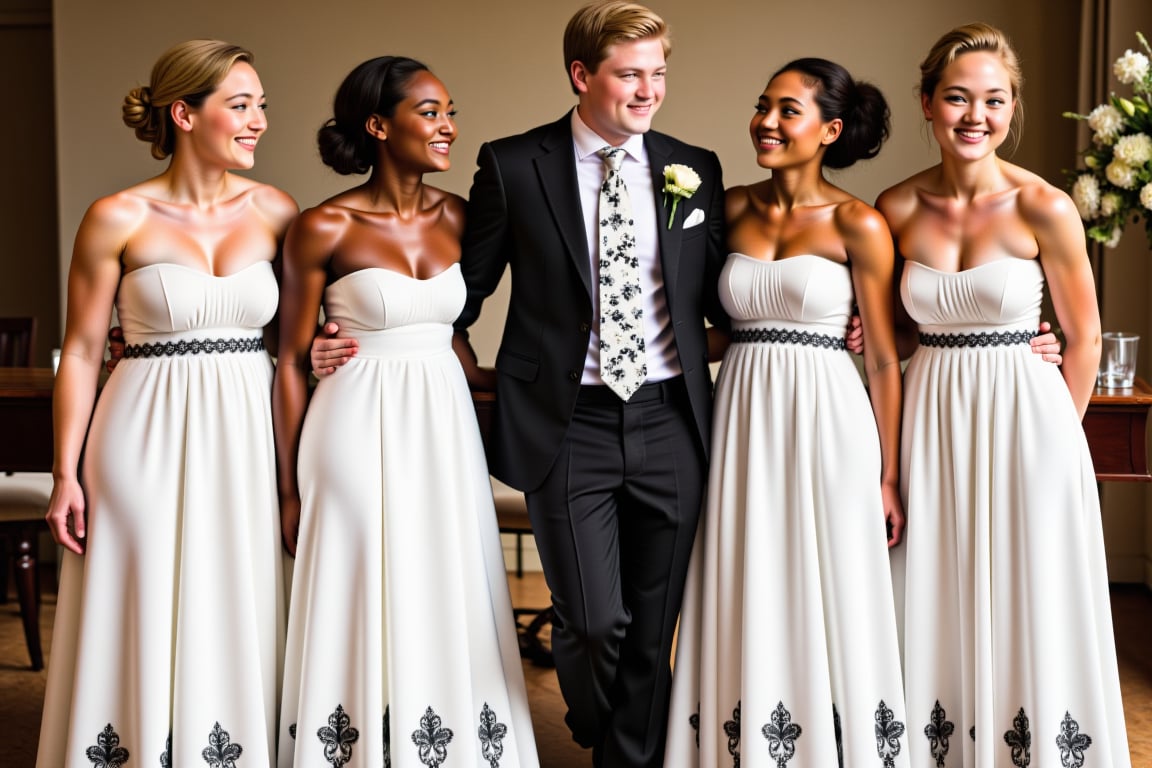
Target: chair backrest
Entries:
(17, 335)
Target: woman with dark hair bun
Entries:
(170, 627)
(401, 647)
(788, 630)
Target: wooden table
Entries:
(26, 419)
(1116, 424)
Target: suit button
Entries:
(585, 327)
(573, 376)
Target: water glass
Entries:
(1117, 360)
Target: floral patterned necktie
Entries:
(622, 364)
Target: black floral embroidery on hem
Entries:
(781, 733)
(107, 752)
(938, 731)
(1072, 743)
(432, 740)
(491, 733)
(694, 722)
(839, 731)
(1020, 740)
(221, 752)
(888, 733)
(338, 737)
(732, 731)
(387, 740)
(166, 755)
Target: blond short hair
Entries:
(188, 72)
(600, 25)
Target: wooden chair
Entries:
(512, 518)
(23, 503)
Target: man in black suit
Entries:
(613, 481)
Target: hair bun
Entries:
(140, 115)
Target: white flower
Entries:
(1114, 240)
(1130, 68)
(680, 181)
(1146, 196)
(1135, 150)
(1107, 122)
(1121, 174)
(1110, 203)
(1086, 195)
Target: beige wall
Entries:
(502, 63)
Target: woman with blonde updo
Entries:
(1009, 653)
(169, 631)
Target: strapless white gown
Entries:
(169, 631)
(402, 649)
(787, 653)
(1009, 652)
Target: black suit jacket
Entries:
(524, 211)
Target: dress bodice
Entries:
(174, 299)
(803, 291)
(1003, 293)
(377, 299)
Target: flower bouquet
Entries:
(1116, 181)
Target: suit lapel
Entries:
(556, 170)
(659, 155)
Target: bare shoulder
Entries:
(865, 232)
(112, 220)
(737, 202)
(855, 218)
(454, 207)
(276, 205)
(1044, 205)
(899, 201)
(327, 220)
(125, 208)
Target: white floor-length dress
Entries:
(169, 630)
(402, 649)
(787, 654)
(1009, 653)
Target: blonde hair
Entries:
(970, 38)
(188, 72)
(598, 26)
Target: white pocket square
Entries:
(694, 218)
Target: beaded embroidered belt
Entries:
(193, 347)
(781, 336)
(982, 339)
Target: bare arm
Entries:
(1063, 256)
(92, 282)
(869, 246)
(307, 250)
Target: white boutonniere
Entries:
(681, 182)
